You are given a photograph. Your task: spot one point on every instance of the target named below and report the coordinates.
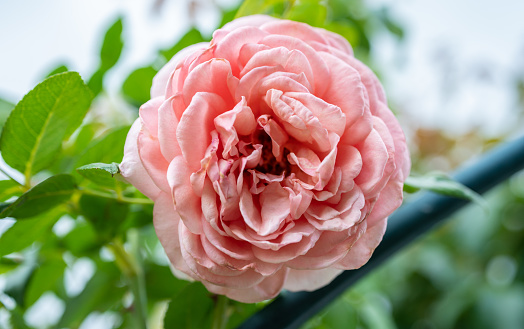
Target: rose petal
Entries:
(132, 168)
(188, 202)
(352, 99)
(309, 280)
(240, 120)
(193, 132)
(230, 45)
(275, 207)
(267, 289)
(362, 250)
(213, 76)
(160, 80)
(166, 221)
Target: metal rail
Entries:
(291, 310)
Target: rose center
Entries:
(268, 162)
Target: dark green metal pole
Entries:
(291, 310)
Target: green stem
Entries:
(120, 198)
(221, 314)
(129, 265)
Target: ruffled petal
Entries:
(362, 250)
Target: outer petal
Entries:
(309, 280)
(267, 289)
(253, 20)
(362, 250)
(132, 168)
(352, 99)
(186, 201)
(166, 221)
(160, 80)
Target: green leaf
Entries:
(48, 194)
(109, 54)
(112, 45)
(191, 37)
(104, 214)
(241, 312)
(443, 184)
(340, 315)
(47, 115)
(139, 216)
(17, 318)
(312, 12)
(138, 84)
(73, 148)
(8, 264)
(390, 24)
(16, 281)
(375, 315)
(46, 277)
(107, 149)
(5, 109)
(82, 240)
(101, 292)
(252, 7)
(227, 16)
(9, 188)
(83, 137)
(191, 308)
(102, 174)
(161, 284)
(96, 82)
(24, 233)
(345, 29)
(59, 69)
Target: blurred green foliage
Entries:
(466, 274)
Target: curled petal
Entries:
(320, 71)
(338, 217)
(198, 117)
(205, 268)
(240, 120)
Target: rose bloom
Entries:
(271, 156)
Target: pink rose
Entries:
(272, 157)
